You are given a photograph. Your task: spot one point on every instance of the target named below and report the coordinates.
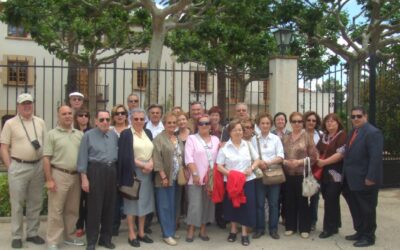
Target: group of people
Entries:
(83, 168)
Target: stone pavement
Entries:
(388, 233)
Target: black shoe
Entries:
(274, 235)
(204, 237)
(36, 240)
(245, 240)
(355, 236)
(16, 243)
(257, 235)
(325, 235)
(232, 237)
(148, 230)
(145, 239)
(221, 224)
(108, 245)
(90, 247)
(134, 242)
(363, 243)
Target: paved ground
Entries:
(388, 236)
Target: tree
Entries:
(86, 33)
(354, 39)
(232, 41)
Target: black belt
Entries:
(71, 172)
(23, 161)
(107, 164)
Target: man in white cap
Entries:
(21, 148)
(76, 101)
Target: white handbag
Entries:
(310, 184)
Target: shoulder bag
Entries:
(257, 172)
(131, 192)
(273, 174)
(310, 184)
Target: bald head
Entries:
(65, 117)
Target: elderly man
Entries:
(362, 170)
(133, 101)
(59, 162)
(196, 110)
(76, 101)
(97, 158)
(21, 148)
(155, 112)
(241, 113)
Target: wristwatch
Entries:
(195, 174)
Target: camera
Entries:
(35, 144)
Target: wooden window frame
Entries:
(27, 68)
(16, 32)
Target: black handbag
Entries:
(131, 192)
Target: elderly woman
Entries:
(119, 119)
(270, 149)
(168, 158)
(135, 149)
(330, 147)
(312, 126)
(235, 163)
(215, 114)
(297, 146)
(248, 128)
(280, 121)
(200, 153)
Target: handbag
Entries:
(257, 172)
(273, 174)
(310, 185)
(209, 177)
(131, 192)
(183, 176)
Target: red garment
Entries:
(218, 188)
(235, 188)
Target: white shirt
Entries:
(270, 146)
(155, 130)
(237, 159)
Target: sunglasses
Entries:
(77, 99)
(248, 127)
(136, 119)
(297, 121)
(356, 116)
(135, 101)
(104, 119)
(120, 113)
(83, 115)
(200, 124)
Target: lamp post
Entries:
(283, 37)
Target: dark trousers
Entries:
(331, 194)
(298, 212)
(119, 202)
(101, 202)
(314, 201)
(80, 224)
(362, 205)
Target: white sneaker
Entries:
(170, 241)
(289, 232)
(305, 235)
(176, 237)
(52, 247)
(74, 242)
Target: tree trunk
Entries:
(155, 54)
(92, 92)
(221, 96)
(353, 86)
(242, 84)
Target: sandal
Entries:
(232, 237)
(245, 240)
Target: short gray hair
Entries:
(137, 110)
(132, 94)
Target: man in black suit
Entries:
(362, 176)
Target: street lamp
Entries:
(283, 37)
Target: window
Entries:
(200, 81)
(141, 78)
(16, 31)
(17, 72)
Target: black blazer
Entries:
(126, 163)
(363, 159)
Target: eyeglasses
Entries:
(356, 116)
(136, 119)
(203, 124)
(76, 99)
(241, 110)
(248, 127)
(311, 120)
(120, 113)
(83, 115)
(297, 121)
(133, 101)
(104, 119)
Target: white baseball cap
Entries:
(25, 97)
(77, 94)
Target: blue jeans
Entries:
(272, 193)
(166, 210)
